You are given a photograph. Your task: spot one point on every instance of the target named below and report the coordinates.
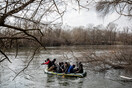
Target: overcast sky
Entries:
(84, 17)
(76, 17)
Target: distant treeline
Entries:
(91, 35)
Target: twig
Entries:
(27, 64)
(2, 60)
(6, 57)
(25, 32)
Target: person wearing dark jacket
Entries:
(80, 68)
(62, 65)
(59, 68)
(53, 66)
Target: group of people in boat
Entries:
(63, 67)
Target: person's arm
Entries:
(45, 63)
(77, 71)
(66, 70)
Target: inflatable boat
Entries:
(66, 75)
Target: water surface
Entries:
(34, 76)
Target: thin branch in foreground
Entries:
(16, 10)
(2, 60)
(6, 57)
(56, 6)
(8, 68)
(27, 64)
(16, 48)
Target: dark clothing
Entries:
(66, 69)
(53, 63)
(49, 64)
(80, 69)
(62, 66)
(59, 70)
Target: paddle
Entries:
(63, 75)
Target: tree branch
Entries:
(24, 31)
(18, 9)
(5, 56)
(27, 64)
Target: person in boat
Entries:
(71, 69)
(80, 68)
(59, 68)
(53, 66)
(62, 66)
(66, 67)
(48, 62)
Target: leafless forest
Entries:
(91, 35)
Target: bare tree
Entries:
(25, 16)
(122, 7)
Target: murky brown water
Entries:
(34, 76)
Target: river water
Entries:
(34, 76)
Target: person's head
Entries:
(65, 64)
(47, 59)
(80, 63)
(73, 66)
(54, 60)
(60, 63)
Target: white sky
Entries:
(84, 17)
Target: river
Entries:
(34, 76)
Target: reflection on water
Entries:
(59, 81)
(34, 76)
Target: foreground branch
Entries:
(27, 64)
(24, 31)
(6, 57)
